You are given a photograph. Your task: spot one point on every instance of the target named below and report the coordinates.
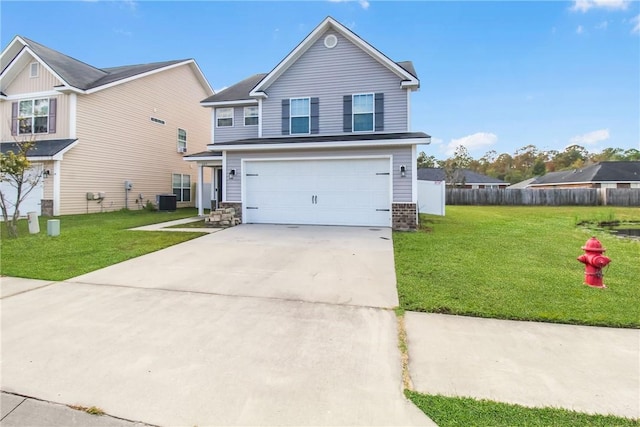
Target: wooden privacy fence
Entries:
(544, 196)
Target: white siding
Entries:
(329, 74)
(401, 156)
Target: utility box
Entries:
(34, 225)
(166, 202)
(53, 227)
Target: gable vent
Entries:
(330, 41)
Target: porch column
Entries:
(56, 187)
(200, 189)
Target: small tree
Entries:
(15, 169)
(425, 161)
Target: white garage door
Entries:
(327, 192)
(34, 199)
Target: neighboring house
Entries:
(464, 178)
(620, 174)
(324, 138)
(96, 129)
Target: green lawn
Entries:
(86, 243)
(518, 263)
(466, 412)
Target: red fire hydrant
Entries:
(594, 262)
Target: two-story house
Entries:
(106, 138)
(324, 138)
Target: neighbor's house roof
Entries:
(77, 76)
(619, 171)
(51, 149)
(470, 177)
(251, 88)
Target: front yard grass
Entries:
(464, 412)
(86, 243)
(518, 263)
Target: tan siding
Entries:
(62, 120)
(25, 84)
(118, 141)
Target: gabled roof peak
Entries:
(79, 76)
(408, 77)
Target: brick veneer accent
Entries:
(46, 207)
(404, 216)
(236, 206)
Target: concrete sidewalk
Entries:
(20, 411)
(165, 226)
(582, 368)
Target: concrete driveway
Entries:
(255, 325)
(336, 265)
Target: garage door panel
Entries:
(332, 192)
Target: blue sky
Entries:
(494, 75)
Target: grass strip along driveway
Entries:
(464, 412)
(87, 243)
(518, 263)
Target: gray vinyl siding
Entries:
(400, 156)
(237, 131)
(330, 74)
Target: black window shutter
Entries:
(53, 107)
(14, 118)
(347, 125)
(315, 115)
(379, 108)
(285, 117)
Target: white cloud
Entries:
(590, 138)
(472, 142)
(363, 3)
(580, 29)
(585, 5)
(636, 24)
(603, 25)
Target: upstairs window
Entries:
(33, 116)
(182, 140)
(250, 116)
(181, 185)
(363, 113)
(224, 117)
(300, 115)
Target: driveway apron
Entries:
(255, 325)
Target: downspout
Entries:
(56, 188)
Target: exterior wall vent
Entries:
(330, 41)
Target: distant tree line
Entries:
(525, 163)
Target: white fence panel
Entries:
(431, 197)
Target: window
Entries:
(300, 114)
(33, 116)
(363, 113)
(34, 68)
(182, 187)
(182, 140)
(250, 116)
(224, 117)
